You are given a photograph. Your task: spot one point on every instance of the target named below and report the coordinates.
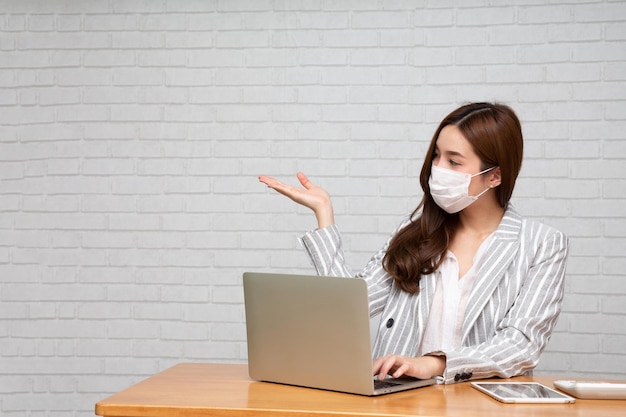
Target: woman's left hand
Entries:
(422, 367)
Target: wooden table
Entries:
(192, 390)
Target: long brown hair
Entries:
(495, 134)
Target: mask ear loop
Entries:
(483, 192)
(487, 170)
(488, 188)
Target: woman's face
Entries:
(454, 152)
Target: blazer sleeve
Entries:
(522, 334)
(324, 247)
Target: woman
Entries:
(467, 288)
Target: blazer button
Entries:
(457, 377)
(389, 323)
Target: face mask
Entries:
(450, 189)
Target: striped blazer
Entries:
(511, 311)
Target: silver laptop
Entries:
(313, 331)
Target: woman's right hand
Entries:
(311, 196)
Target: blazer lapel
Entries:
(498, 256)
(428, 284)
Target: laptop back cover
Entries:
(308, 330)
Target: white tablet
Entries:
(522, 392)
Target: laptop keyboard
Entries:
(378, 384)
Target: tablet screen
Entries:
(521, 392)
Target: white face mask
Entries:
(450, 189)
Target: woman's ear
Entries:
(495, 177)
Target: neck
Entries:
(481, 219)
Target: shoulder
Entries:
(535, 232)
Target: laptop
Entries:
(313, 331)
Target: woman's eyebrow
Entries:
(449, 153)
(454, 153)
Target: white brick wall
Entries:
(132, 132)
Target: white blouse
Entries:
(444, 327)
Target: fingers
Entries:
(274, 184)
(387, 365)
(420, 367)
(304, 180)
(288, 190)
(394, 365)
(269, 181)
(399, 369)
(296, 194)
(309, 195)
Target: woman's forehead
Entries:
(451, 141)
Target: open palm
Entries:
(309, 195)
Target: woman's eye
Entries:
(454, 163)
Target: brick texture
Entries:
(132, 132)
